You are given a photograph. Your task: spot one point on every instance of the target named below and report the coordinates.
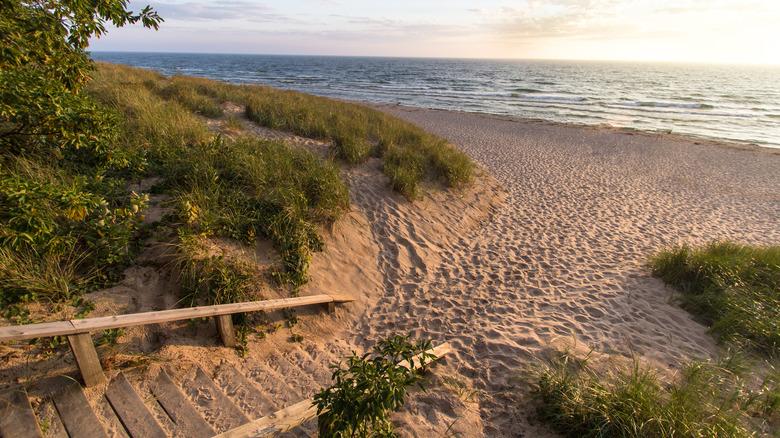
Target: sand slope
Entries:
(546, 249)
(563, 260)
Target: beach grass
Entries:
(357, 133)
(705, 399)
(733, 288)
(70, 225)
(242, 189)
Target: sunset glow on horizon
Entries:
(718, 31)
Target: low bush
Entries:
(363, 394)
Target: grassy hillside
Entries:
(69, 224)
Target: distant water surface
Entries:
(738, 103)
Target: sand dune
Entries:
(547, 249)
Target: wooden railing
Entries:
(80, 341)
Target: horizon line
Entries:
(732, 63)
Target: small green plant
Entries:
(19, 313)
(290, 316)
(84, 307)
(295, 337)
(109, 337)
(44, 425)
(365, 392)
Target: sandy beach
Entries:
(562, 260)
(546, 250)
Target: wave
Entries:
(666, 105)
(551, 98)
(639, 108)
(527, 90)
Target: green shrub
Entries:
(734, 288)
(363, 394)
(78, 230)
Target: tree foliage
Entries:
(43, 67)
(63, 220)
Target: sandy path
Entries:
(563, 259)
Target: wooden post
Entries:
(87, 359)
(331, 307)
(225, 329)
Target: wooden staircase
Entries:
(231, 403)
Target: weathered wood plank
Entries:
(48, 413)
(219, 410)
(10, 333)
(292, 416)
(76, 414)
(276, 423)
(87, 359)
(438, 352)
(225, 329)
(30, 331)
(179, 409)
(244, 393)
(16, 415)
(341, 298)
(130, 409)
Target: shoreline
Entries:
(709, 141)
(623, 96)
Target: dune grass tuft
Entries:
(732, 287)
(707, 399)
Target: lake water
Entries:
(738, 103)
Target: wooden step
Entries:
(278, 391)
(16, 415)
(179, 409)
(47, 414)
(131, 410)
(243, 392)
(319, 371)
(300, 378)
(76, 414)
(215, 406)
(305, 411)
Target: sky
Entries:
(722, 31)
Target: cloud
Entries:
(562, 18)
(625, 19)
(222, 10)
